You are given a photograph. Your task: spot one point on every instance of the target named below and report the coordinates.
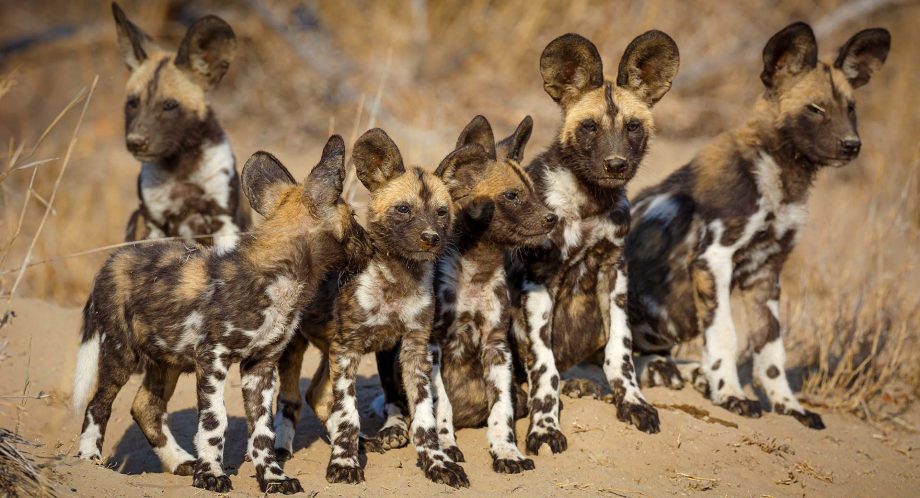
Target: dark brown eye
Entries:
(133, 102)
(851, 108)
(511, 195)
(815, 108)
(402, 209)
(588, 126)
(633, 125)
(442, 211)
(170, 105)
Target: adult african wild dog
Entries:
(730, 218)
(188, 185)
(179, 307)
(572, 291)
(389, 300)
(498, 210)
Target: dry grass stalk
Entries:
(19, 476)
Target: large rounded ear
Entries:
(207, 50)
(570, 66)
(263, 174)
(133, 43)
(863, 54)
(479, 131)
(325, 183)
(462, 169)
(377, 159)
(649, 65)
(789, 53)
(512, 147)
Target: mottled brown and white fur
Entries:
(729, 219)
(188, 185)
(178, 307)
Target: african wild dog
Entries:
(188, 185)
(178, 307)
(570, 298)
(730, 218)
(497, 211)
(389, 300)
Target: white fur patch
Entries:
(89, 438)
(379, 309)
(84, 379)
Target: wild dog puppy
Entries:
(178, 307)
(188, 185)
(570, 295)
(390, 300)
(730, 218)
(497, 210)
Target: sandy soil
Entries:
(701, 449)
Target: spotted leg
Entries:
(542, 375)
(149, 411)
(344, 421)
(711, 275)
(496, 362)
(416, 371)
(211, 376)
(618, 364)
(258, 382)
(289, 400)
(115, 369)
(444, 412)
(395, 430)
(769, 352)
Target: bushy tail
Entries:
(84, 379)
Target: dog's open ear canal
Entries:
(462, 169)
(206, 50)
(512, 147)
(377, 159)
(570, 66)
(649, 65)
(133, 44)
(787, 54)
(863, 54)
(263, 175)
(479, 131)
(326, 181)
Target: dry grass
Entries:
(421, 70)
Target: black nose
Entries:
(850, 146)
(550, 220)
(430, 239)
(616, 166)
(137, 143)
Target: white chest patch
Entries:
(380, 306)
(787, 216)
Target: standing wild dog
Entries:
(730, 218)
(390, 300)
(571, 298)
(188, 185)
(178, 307)
(498, 210)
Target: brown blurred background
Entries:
(421, 70)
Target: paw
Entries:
(663, 372)
(217, 484)
(700, 382)
(552, 437)
(454, 453)
(282, 455)
(511, 466)
(744, 407)
(286, 486)
(642, 415)
(581, 388)
(807, 418)
(448, 473)
(346, 474)
(395, 436)
(94, 457)
(185, 468)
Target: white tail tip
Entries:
(84, 379)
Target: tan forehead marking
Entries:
(173, 83)
(815, 87)
(499, 176)
(407, 188)
(593, 105)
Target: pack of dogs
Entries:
(475, 283)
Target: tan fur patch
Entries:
(173, 83)
(193, 279)
(501, 176)
(406, 188)
(814, 87)
(593, 105)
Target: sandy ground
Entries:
(701, 449)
